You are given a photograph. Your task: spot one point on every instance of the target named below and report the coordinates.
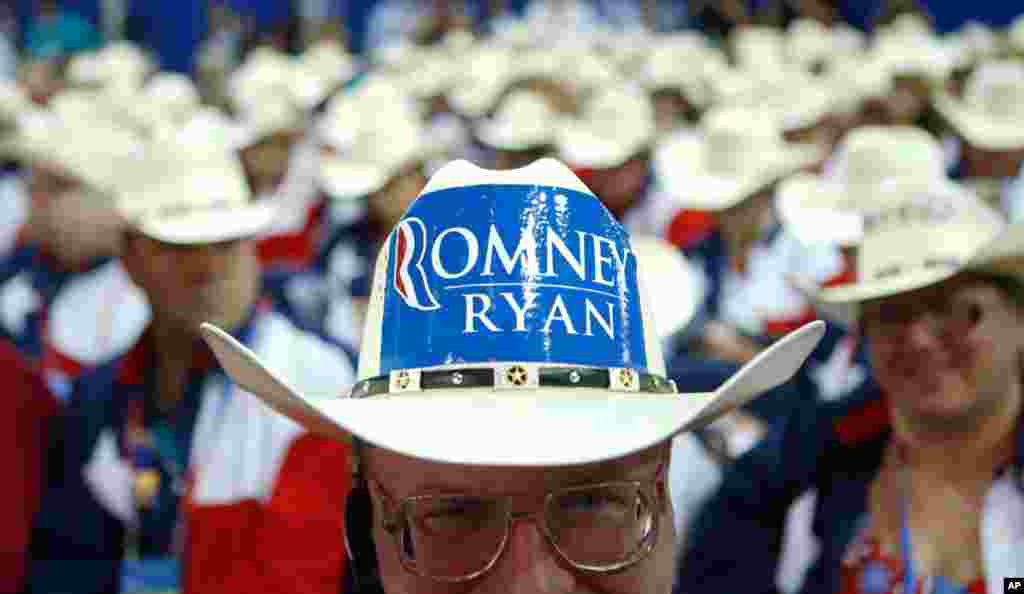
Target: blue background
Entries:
(417, 338)
(177, 26)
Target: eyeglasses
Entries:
(600, 528)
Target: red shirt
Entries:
(23, 445)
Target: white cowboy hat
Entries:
(91, 150)
(186, 193)
(430, 390)
(736, 153)
(273, 115)
(991, 114)
(942, 231)
(481, 77)
(830, 209)
(679, 63)
(265, 73)
(1015, 35)
(854, 80)
(908, 51)
(523, 121)
(755, 48)
(320, 70)
(168, 99)
(616, 125)
(797, 99)
(374, 156)
(808, 42)
(675, 285)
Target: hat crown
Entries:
(737, 140)
(174, 179)
(492, 267)
(938, 228)
(997, 88)
(873, 154)
(526, 108)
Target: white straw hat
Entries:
(524, 120)
(480, 79)
(321, 69)
(616, 125)
(991, 113)
(373, 157)
(188, 193)
(432, 388)
(736, 152)
(93, 151)
(830, 209)
(939, 232)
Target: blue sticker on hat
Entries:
(490, 273)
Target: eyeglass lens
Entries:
(595, 528)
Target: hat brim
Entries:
(206, 227)
(693, 186)
(511, 136)
(351, 180)
(579, 145)
(1002, 255)
(977, 128)
(543, 427)
(812, 214)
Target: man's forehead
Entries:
(411, 475)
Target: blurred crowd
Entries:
(745, 158)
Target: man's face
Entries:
(620, 187)
(266, 162)
(528, 563)
(979, 162)
(75, 225)
(389, 203)
(946, 354)
(189, 285)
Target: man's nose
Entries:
(529, 565)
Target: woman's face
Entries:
(946, 354)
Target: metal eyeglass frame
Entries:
(653, 492)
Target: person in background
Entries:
(57, 32)
(25, 438)
(725, 176)
(172, 477)
(609, 144)
(987, 120)
(915, 476)
(73, 158)
(467, 505)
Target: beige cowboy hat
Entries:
(1015, 36)
(91, 150)
(185, 192)
(476, 406)
(756, 48)
(735, 153)
(681, 63)
(940, 231)
(991, 113)
(616, 125)
(524, 120)
(376, 154)
(830, 209)
(480, 79)
(266, 72)
(808, 42)
(321, 69)
(911, 51)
